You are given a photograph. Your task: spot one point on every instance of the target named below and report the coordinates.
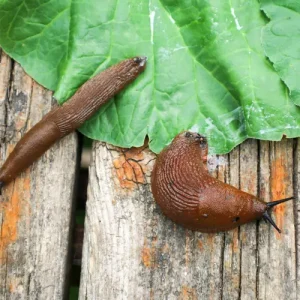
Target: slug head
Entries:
(126, 71)
(190, 145)
(138, 65)
(189, 139)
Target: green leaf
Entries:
(281, 41)
(206, 67)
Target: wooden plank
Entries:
(131, 251)
(36, 209)
(277, 252)
(247, 235)
(232, 249)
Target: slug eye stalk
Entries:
(274, 203)
(266, 215)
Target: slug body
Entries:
(72, 114)
(191, 197)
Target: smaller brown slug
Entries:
(64, 119)
(191, 197)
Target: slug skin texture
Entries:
(191, 197)
(64, 119)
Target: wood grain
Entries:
(277, 252)
(131, 251)
(35, 209)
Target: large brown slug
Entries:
(66, 118)
(191, 197)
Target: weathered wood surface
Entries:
(36, 209)
(131, 251)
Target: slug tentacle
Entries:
(66, 118)
(274, 203)
(190, 196)
(266, 215)
(268, 218)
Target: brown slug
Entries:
(66, 118)
(190, 196)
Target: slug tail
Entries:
(266, 215)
